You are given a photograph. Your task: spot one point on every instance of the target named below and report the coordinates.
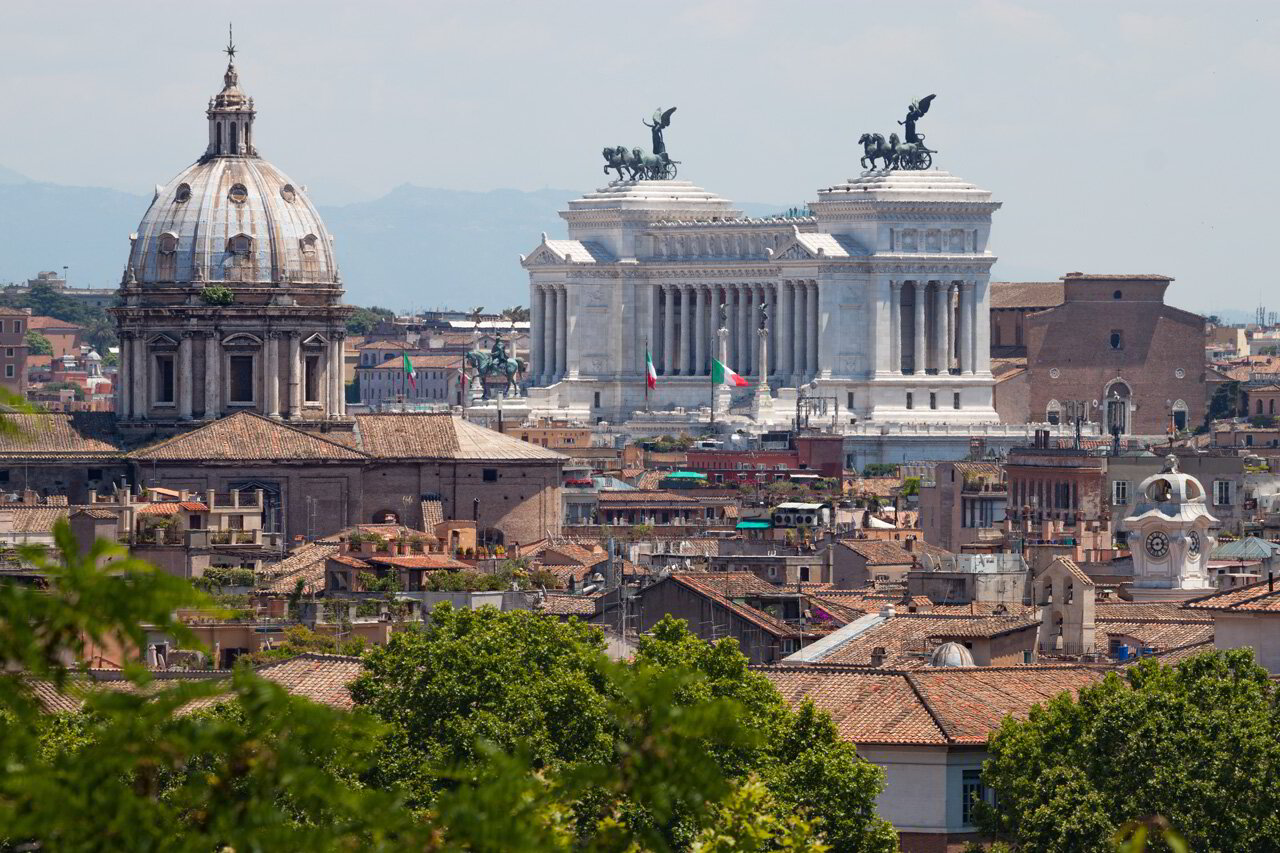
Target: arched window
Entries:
(167, 247)
(217, 137)
(1179, 415)
(1053, 413)
(309, 249)
(235, 138)
(1259, 407)
(1117, 295)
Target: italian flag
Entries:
(650, 375)
(721, 375)
(410, 372)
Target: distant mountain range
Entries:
(415, 247)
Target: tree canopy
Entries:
(37, 344)
(484, 730)
(1197, 744)
(656, 750)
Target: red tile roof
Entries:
(246, 436)
(417, 561)
(1260, 597)
(1026, 294)
(879, 552)
(426, 435)
(60, 436)
(305, 564)
(646, 497)
(941, 707)
(908, 638)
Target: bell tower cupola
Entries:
(230, 114)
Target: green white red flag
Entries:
(722, 375)
(650, 375)
(410, 372)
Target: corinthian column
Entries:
(562, 328)
(271, 375)
(548, 335)
(212, 377)
(811, 336)
(700, 334)
(668, 330)
(185, 379)
(535, 334)
(918, 354)
(782, 346)
(141, 394)
(686, 330)
(123, 369)
(799, 311)
(744, 330)
(895, 326)
(295, 375)
(967, 313)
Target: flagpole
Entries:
(646, 373)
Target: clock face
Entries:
(1157, 544)
(1193, 543)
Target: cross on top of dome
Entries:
(230, 113)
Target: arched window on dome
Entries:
(235, 138)
(166, 256)
(217, 137)
(309, 249)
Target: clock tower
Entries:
(1169, 538)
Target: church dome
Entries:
(951, 654)
(1170, 493)
(231, 216)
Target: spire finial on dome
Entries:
(230, 49)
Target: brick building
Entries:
(314, 483)
(963, 504)
(1116, 353)
(1056, 484)
(808, 454)
(13, 349)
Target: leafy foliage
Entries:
(300, 640)
(1197, 744)
(364, 320)
(37, 344)
(659, 752)
(217, 294)
(1225, 402)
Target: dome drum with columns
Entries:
(231, 299)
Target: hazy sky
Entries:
(1121, 137)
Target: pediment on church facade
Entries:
(815, 246)
(551, 252)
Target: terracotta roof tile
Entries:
(934, 706)
(246, 436)
(320, 678)
(758, 618)
(879, 552)
(1153, 634)
(432, 513)
(88, 436)
(644, 496)
(305, 564)
(428, 435)
(1026, 294)
(1260, 597)
(737, 584)
(417, 561)
(908, 638)
(561, 604)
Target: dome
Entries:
(951, 654)
(231, 216)
(232, 219)
(1168, 489)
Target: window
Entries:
(4, 475)
(1053, 412)
(1117, 295)
(1221, 492)
(164, 379)
(489, 475)
(311, 380)
(933, 400)
(1119, 492)
(971, 790)
(910, 400)
(596, 400)
(95, 474)
(240, 378)
(955, 400)
(849, 401)
(8, 351)
(1117, 339)
(804, 573)
(8, 371)
(17, 327)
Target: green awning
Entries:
(754, 525)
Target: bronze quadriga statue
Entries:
(636, 164)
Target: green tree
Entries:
(37, 344)
(1197, 744)
(138, 768)
(364, 320)
(651, 752)
(1225, 402)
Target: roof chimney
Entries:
(887, 611)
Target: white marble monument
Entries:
(878, 299)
